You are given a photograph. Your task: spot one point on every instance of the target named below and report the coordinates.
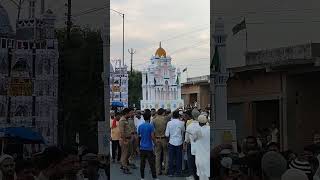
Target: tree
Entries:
(135, 89)
(83, 102)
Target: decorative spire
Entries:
(160, 44)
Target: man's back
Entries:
(145, 131)
(174, 131)
(132, 127)
(160, 124)
(124, 127)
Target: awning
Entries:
(22, 135)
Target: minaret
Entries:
(103, 124)
(221, 123)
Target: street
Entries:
(115, 173)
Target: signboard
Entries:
(279, 54)
(119, 85)
(20, 87)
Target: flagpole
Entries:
(187, 75)
(246, 34)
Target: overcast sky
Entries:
(183, 26)
(271, 24)
(94, 19)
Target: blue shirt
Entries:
(145, 130)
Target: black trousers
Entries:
(148, 155)
(116, 147)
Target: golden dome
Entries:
(161, 52)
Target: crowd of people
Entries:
(55, 163)
(258, 158)
(175, 143)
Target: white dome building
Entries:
(161, 86)
(29, 77)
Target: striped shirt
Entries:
(303, 166)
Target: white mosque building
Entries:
(161, 86)
(29, 71)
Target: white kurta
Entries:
(192, 129)
(202, 152)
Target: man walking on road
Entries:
(125, 140)
(134, 139)
(146, 132)
(202, 148)
(192, 126)
(174, 131)
(160, 124)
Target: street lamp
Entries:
(121, 14)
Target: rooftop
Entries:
(297, 55)
(197, 80)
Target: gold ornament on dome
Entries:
(161, 52)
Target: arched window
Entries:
(21, 67)
(21, 111)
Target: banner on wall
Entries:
(20, 87)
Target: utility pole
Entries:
(69, 23)
(123, 39)
(131, 52)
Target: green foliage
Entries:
(135, 89)
(82, 91)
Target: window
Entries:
(48, 67)
(19, 45)
(2, 110)
(3, 43)
(25, 45)
(48, 111)
(48, 90)
(40, 68)
(22, 111)
(37, 113)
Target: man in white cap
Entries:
(294, 174)
(7, 167)
(202, 148)
(192, 127)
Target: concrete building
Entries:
(278, 85)
(196, 89)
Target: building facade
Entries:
(278, 85)
(196, 91)
(161, 86)
(29, 73)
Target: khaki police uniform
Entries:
(133, 140)
(125, 144)
(160, 124)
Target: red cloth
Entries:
(114, 123)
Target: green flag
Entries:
(215, 63)
(239, 27)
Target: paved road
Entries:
(117, 174)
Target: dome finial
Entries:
(160, 51)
